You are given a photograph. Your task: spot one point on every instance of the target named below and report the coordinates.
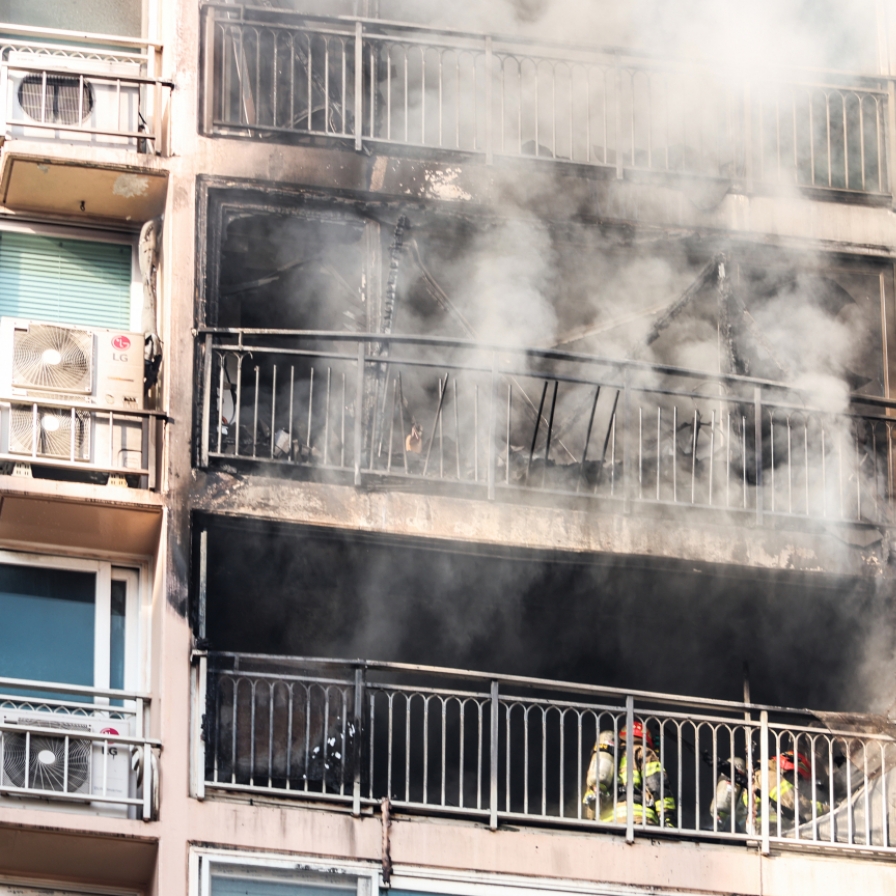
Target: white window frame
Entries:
(106, 571)
(135, 312)
(204, 864)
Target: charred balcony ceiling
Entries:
(668, 627)
(334, 265)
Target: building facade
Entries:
(395, 402)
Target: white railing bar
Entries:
(60, 688)
(126, 739)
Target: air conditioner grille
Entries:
(54, 432)
(52, 763)
(52, 358)
(56, 99)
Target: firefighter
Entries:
(654, 803)
(601, 778)
(731, 792)
(783, 793)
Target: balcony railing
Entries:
(79, 747)
(517, 750)
(80, 88)
(366, 82)
(80, 437)
(535, 425)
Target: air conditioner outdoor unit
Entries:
(59, 362)
(64, 762)
(80, 104)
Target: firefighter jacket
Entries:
(654, 803)
(784, 795)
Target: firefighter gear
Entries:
(783, 795)
(731, 795)
(654, 803)
(601, 777)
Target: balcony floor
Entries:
(692, 537)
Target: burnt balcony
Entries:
(368, 84)
(516, 750)
(491, 423)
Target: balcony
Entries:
(78, 749)
(490, 423)
(515, 750)
(369, 84)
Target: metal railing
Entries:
(78, 746)
(82, 88)
(80, 436)
(513, 749)
(496, 422)
(367, 82)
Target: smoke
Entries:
(544, 264)
(657, 626)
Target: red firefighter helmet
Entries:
(802, 765)
(640, 733)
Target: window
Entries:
(51, 276)
(239, 876)
(99, 16)
(67, 621)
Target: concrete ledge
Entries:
(530, 527)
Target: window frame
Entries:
(266, 867)
(106, 572)
(96, 235)
(434, 881)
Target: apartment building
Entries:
(395, 401)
